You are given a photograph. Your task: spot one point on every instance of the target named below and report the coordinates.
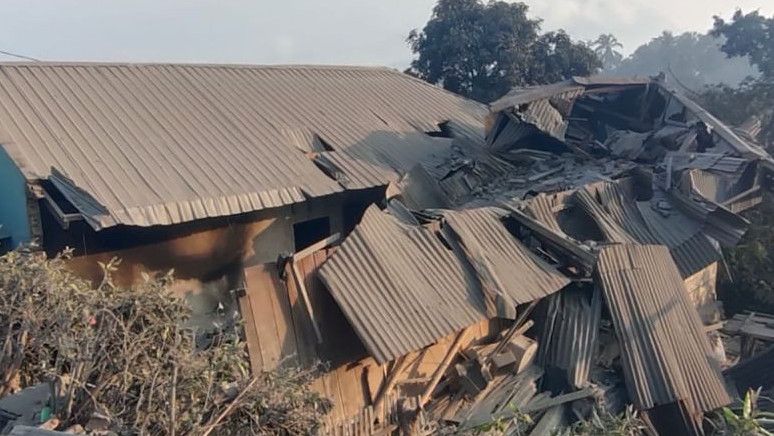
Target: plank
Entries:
(307, 302)
(282, 316)
(251, 336)
(317, 246)
(304, 333)
(259, 287)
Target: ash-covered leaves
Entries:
(125, 354)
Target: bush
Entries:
(751, 265)
(124, 353)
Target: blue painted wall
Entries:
(13, 201)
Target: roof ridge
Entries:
(198, 65)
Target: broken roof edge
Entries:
(184, 211)
(399, 286)
(530, 94)
(602, 80)
(538, 92)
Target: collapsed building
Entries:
(452, 263)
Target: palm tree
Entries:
(605, 47)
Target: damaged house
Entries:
(454, 264)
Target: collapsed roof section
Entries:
(144, 145)
(403, 286)
(609, 114)
(613, 160)
(666, 354)
(627, 188)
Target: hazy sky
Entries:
(370, 32)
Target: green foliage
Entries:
(483, 50)
(750, 35)
(603, 423)
(751, 264)
(693, 59)
(123, 353)
(511, 421)
(747, 420)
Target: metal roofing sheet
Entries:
(657, 221)
(665, 353)
(352, 172)
(546, 110)
(161, 144)
(706, 161)
(574, 87)
(734, 141)
(611, 80)
(543, 207)
(506, 267)
(753, 373)
(518, 96)
(695, 253)
(400, 287)
(569, 340)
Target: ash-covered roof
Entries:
(160, 144)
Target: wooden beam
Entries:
(542, 404)
(519, 326)
(579, 256)
(400, 364)
(307, 300)
(317, 246)
(443, 366)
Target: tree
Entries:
(605, 48)
(750, 35)
(692, 59)
(751, 263)
(483, 50)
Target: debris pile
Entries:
(590, 222)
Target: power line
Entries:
(8, 53)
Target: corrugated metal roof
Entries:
(400, 287)
(665, 353)
(542, 208)
(507, 268)
(695, 253)
(518, 96)
(706, 161)
(162, 144)
(528, 114)
(753, 373)
(734, 142)
(623, 219)
(573, 88)
(598, 80)
(569, 340)
(717, 221)
(352, 172)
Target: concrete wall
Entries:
(209, 263)
(13, 201)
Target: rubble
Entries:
(585, 216)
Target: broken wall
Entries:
(701, 287)
(208, 262)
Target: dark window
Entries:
(307, 233)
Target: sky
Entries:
(361, 32)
